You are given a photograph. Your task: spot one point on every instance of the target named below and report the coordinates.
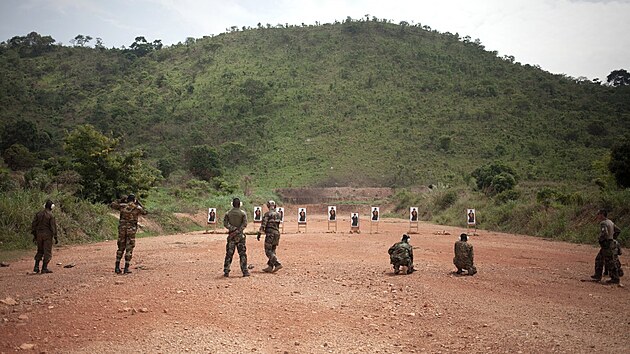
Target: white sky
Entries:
(588, 38)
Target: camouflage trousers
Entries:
(464, 264)
(232, 245)
(126, 242)
(271, 242)
(44, 248)
(608, 258)
(401, 262)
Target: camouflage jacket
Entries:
(401, 250)
(129, 213)
(463, 253)
(270, 222)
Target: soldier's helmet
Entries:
(131, 198)
(49, 204)
(405, 238)
(463, 237)
(271, 203)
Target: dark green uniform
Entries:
(44, 230)
(271, 227)
(235, 221)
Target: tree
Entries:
(19, 158)
(619, 164)
(495, 178)
(203, 162)
(31, 45)
(140, 47)
(106, 173)
(619, 77)
(25, 133)
(80, 40)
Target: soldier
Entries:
(44, 230)
(270, 226)
(130, 208)
(464, 256)
(608, 252)
(401, 254)
(235, 221)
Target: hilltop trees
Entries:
(140, 47)
(31, 45)
(619, 77)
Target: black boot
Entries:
(45, 269)
(36, 268)
(126, 271)
(117, 268)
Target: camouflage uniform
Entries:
(271, 227)
(608, 254)
(127, 228)
(617, 250)
(44, 230)
(464, 257)
(235, 221)
(401, 254)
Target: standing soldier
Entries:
(130, 208)
(271, 227)
(464, 256)
(235, 221)
(44, 230)
(608, 253)
(401, 254)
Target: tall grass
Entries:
(570, 219)
(78, 221)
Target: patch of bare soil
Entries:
(335, 294)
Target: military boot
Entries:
(269, 269)
(396, 270)
(45, 269)
(117, 268)
(36, 268)
(277, 268)
(126, 270)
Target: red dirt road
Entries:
(336, 294)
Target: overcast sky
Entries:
(579, 38)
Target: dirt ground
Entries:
(336, 294)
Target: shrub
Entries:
(443, 200)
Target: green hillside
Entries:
(362, 103)
(358, 103)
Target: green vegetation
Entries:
(360, 103)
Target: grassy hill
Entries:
(358, 103)
(362, 103)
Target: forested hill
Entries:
(355, 103)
